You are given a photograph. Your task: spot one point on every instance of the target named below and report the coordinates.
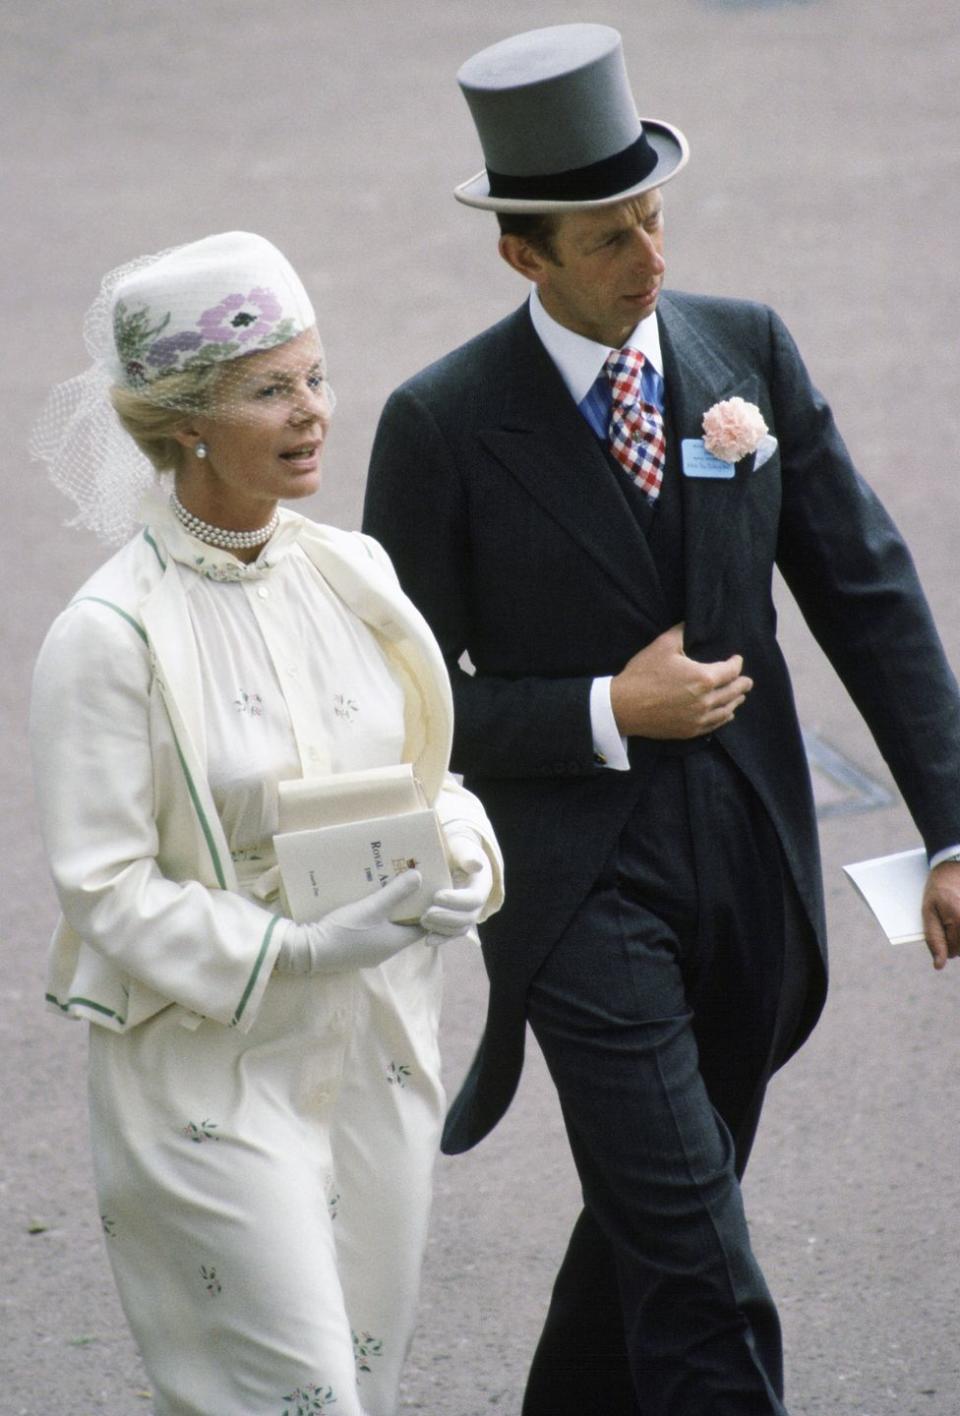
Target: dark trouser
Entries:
(661, 1012)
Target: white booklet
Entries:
(893, 887)
(306, 802)
(344, 836)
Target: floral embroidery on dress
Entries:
(212, 1284)
(230, 570)
(108, 1225)
(250, 703)
(306, 1399)
(345, 707)
(245, 854)
(199, 1133)
(397, 1074)
(332, 1194)
(365, 1346)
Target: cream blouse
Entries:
(293, 683)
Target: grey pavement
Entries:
(824, 179)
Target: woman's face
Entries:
(265, 437)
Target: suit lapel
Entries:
(696, 375)
(544, 442)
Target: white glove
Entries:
(454, 911)
(355, 936)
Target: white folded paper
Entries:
(893, 887)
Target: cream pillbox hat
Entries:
(204, 303)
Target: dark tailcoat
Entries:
(508, 530)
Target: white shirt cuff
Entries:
(609, 747)
(943, 855)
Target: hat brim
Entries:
(672, 151)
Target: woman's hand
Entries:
(454, 911)
(355, 936)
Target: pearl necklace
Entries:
(217, 535)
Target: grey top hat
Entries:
(558, 125)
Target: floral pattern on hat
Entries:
(163, 353)
(132, 334)
(241, 317)
(238, 325)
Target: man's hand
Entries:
(941, 912)
(660, 693)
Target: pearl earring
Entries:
(201, 450)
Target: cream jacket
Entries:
(151, 914)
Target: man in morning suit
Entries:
(551, 505)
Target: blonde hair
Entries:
(152, 418)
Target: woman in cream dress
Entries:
(265, 1096)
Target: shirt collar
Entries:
(212, 562)
(579, 359)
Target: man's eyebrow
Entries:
(597, 238)
(651, 212)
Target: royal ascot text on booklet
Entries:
(893, 887)
(333, 865)
(344, 836)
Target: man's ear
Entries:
(525, 259)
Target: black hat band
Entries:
(597, 180)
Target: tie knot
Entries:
(624, 369)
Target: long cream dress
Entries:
(265, 1195)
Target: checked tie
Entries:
(636, 427)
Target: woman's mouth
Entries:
(304, 456)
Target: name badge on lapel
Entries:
(697, 462)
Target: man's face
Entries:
(608, 270)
